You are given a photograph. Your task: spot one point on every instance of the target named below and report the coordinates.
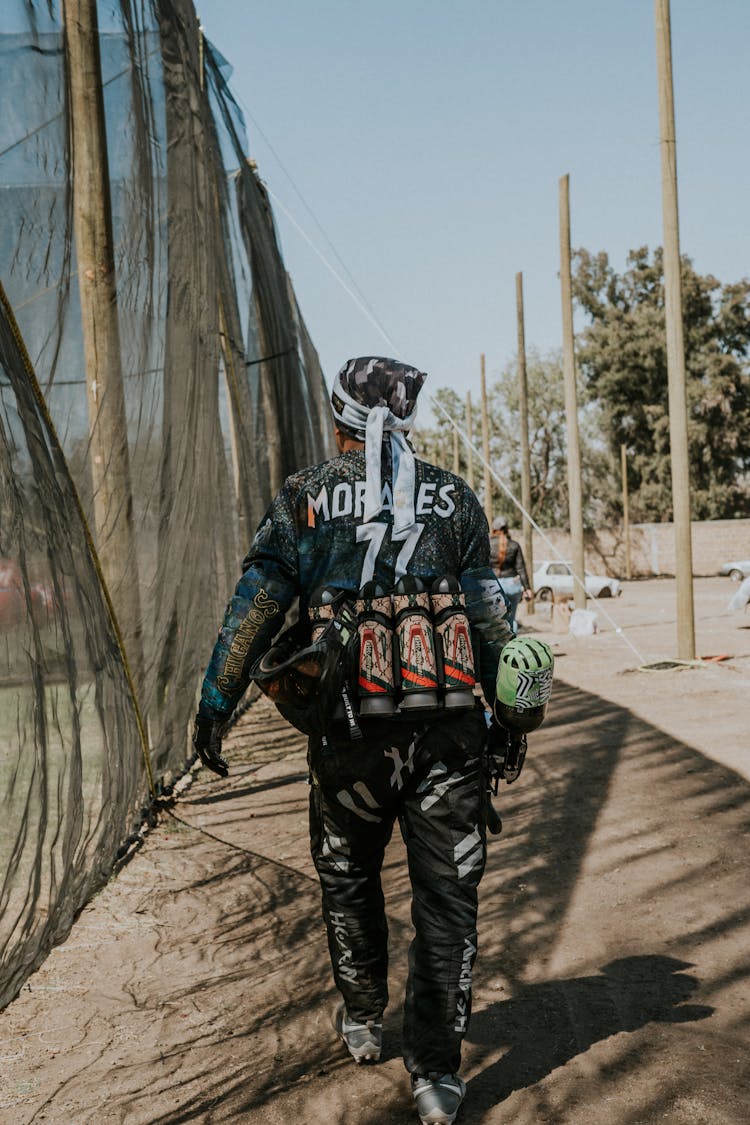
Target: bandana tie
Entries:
(373, 397)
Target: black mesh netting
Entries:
(180, 405)
(71, 767)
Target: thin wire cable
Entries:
(245, 851)
(467, 441)
(362, 308)
(311, 213)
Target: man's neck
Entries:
(346, 445)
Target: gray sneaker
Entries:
(363, 1040)
(439, 1099)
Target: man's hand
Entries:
(207, 736)
(528, 595)
(507, 752)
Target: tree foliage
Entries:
(549, 489)
(547, 441)
(623, 399)
(622, 357)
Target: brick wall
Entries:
(652, 547)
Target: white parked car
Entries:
(737, 570)
(552, 578)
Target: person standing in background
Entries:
(509, 565)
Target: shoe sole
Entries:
(363, 1054)
(443, 1119)
(440, 1119)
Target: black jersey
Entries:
(315, 534)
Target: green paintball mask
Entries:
(524, 684)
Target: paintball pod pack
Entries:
(378, 654)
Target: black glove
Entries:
(207, 736)
(506, 752)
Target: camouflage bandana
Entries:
(372, 396)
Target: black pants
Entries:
(429, 777)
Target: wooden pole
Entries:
(523, 402)
(108, 436)
(625, 509)
(571, 399)
(456, 454)
(469, 451)
(678, 428)
(486, 446)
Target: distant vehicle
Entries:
(737, 570)
(552, 579)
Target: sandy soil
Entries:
(611, 984)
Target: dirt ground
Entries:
(612, 979)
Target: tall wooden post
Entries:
(678, 428)
(456, 454)
(469, 450)
(625, 509)
(523, 402)
(486, 446)
(575, 502)
(108, 436)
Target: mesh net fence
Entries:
(178, 387)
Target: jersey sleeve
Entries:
(486, 605)
(256, 611)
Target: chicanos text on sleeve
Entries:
(314, 534)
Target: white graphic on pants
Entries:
(468, 853)
(436, 788)
(345, 798)
(400, 764)
(464, 987)
(344, 960)
(336, 852)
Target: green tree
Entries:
(435, 443)
(547, 442)
(549, 482)
(622, 357)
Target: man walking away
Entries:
(375, 518)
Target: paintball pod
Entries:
(522, 692)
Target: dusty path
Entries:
(612, 983)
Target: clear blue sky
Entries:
(428, 138)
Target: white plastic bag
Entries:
(583, 623)
(741, 597)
